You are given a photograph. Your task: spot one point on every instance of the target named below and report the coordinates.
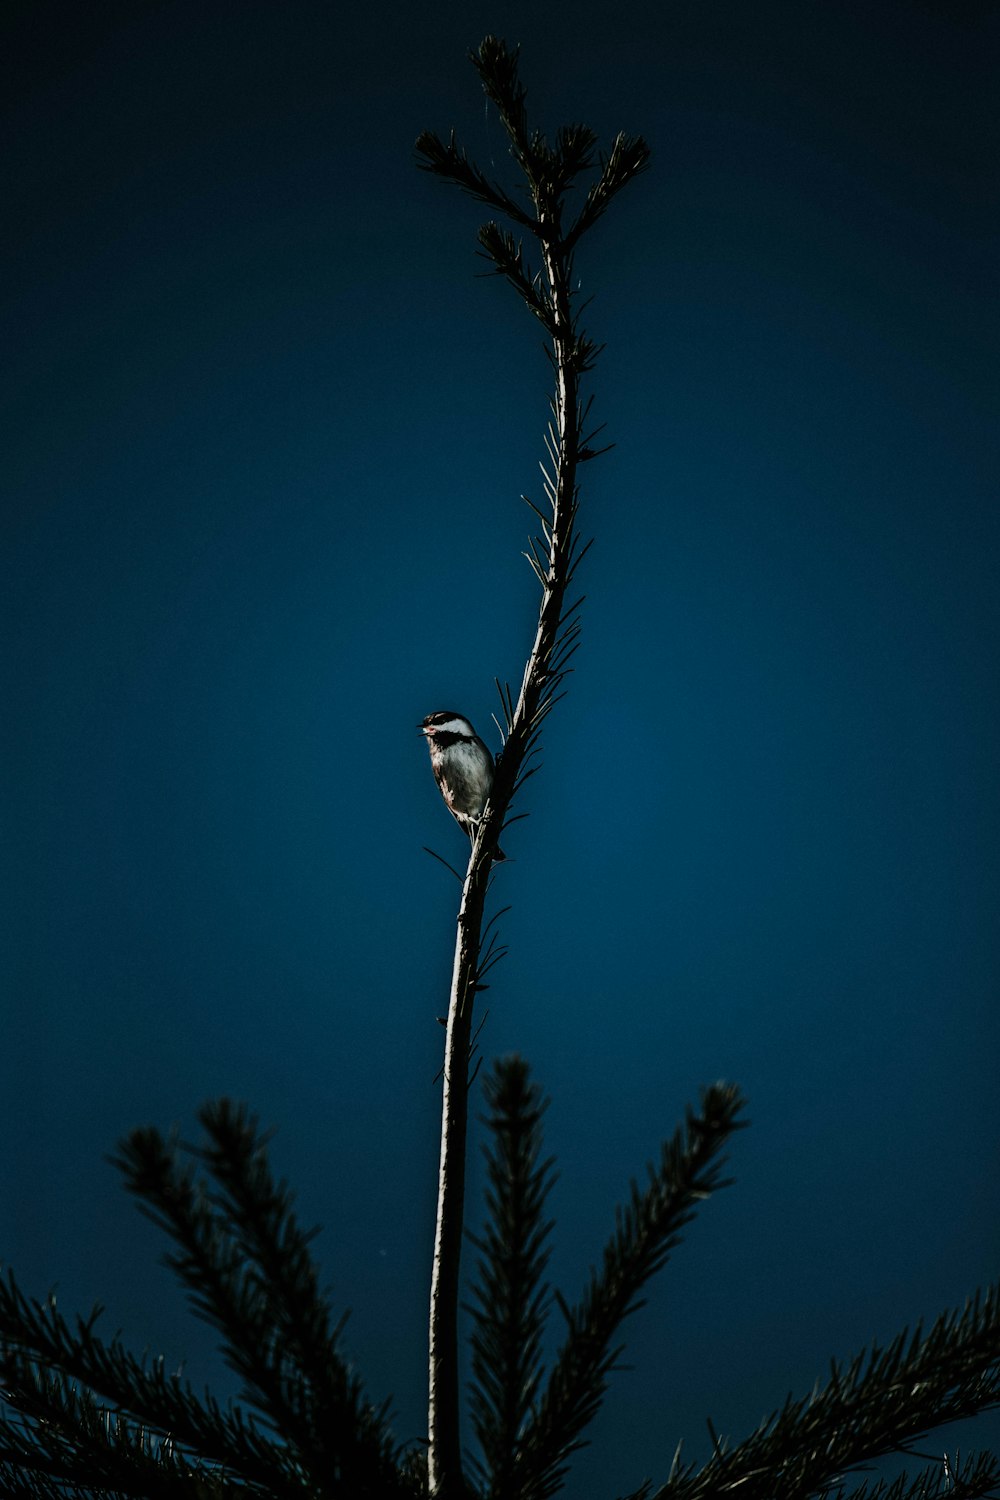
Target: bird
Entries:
(462, 765)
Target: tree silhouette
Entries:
(84, 1417)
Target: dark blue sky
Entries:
(264, 434)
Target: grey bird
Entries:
(462, 766)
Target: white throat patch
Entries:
(452, 726)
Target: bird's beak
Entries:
(423, 729)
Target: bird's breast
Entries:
(465, 776)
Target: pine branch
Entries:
(507, 255)
(451, 162)
(975, 1479)
(511, 1297)
(548, 294)
(221, 1290)
(497, 67)
(629, 156)
(349, 1435)
(879, 1403)
(16, 1484)
(161, 1403)
(648, 1228)
(253, 1307)
(68, 1440)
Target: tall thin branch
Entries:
(548, 173)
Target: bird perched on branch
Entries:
(462, 766)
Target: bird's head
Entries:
(445, 722)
